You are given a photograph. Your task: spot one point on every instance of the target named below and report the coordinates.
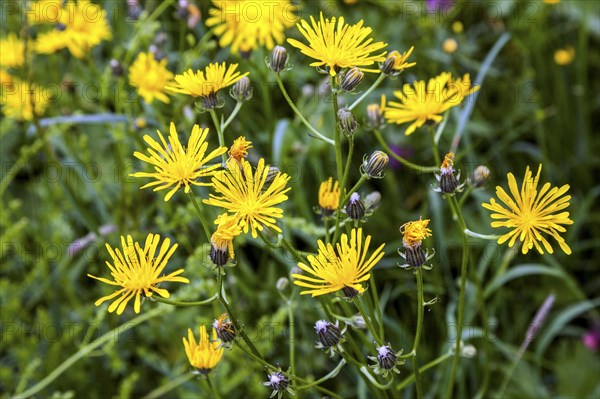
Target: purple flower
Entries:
(437, 5)
(404, 152)
(591, 339)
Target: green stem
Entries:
(461, 300)
(356, 187)
(212, 388)
(223, 299)
(377, 82)
(362, 311)
(329, 376)
(465, 195)
(379, 317)
(491, 237)
(286, 244)
(342, 183)
(201, 215)
(213, 116)
(326, 225)
(423, 369)
(292, 336)
(86, 350)
(235, 111)
(180, 303)
(299, 114)
(405, 162)
(420, 306)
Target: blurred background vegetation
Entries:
(73, 181)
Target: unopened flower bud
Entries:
(388, 65)
(282, 283)
(375, 116)
(116, 67)
(373, 200)
(348, 123)
(279, 383)
(449, 182)
(449, 45)
(358, 322)
(374, 165)
(480, 176)
(328, 334)
(272, 174)
(279, 58)
(241, 90)
(352, 79)
(224, 328)
(355, 208)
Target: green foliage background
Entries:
(529, 111)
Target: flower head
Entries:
(13, 51)
(207, 83)
(396, 62)
(564, 56)
(337, 45)
(44, 11)
(279, 383)
(85, 27)
(421, 103)
(245, 194)
(222, 239)
(224, 328)
(449, 182)
(329, 336)
(21, 100)
(239, 148)
(344, 269)
(175, 165)
(138, 271)
(204, 355)
(531, 214)
(247, 24)
(413, 235)
(150, 77)
(375, 112)
(50, 42)
(387, 360)
(329, 195)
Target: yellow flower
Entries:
(85, 26)
(340, 46)
(138, 271)
(150, 77)
(246, 194)
(5, 79)
(208, 82)
(415, 232)
(531, 213)
(12, 54)
(228, 228)
(247, 24)
(329, 195)
(206, 353)
(176, 165)
(44, 11)
(50, 42)
(239, 148)
(564, 56)
(400, 63)
(17, 100)
(375, 113)
(344, 270)
(551, 1)
(420, 103)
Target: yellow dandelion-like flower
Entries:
(247, 24)
(50, 42)
(138, 271)
(247, 195)
(175, 165)
(228, 228)
(340, 46)
(205, 354)
(421, 103)
(531, 213)
(12, 54)
(345, 270)
(150, 77)
(85, 26)
(17, 100)
(239, 148)
(206, 83)
(415, 232)
(44, 12)
(564, 56)
(329, 195)
(400, 60)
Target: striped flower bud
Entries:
(355, 208)
(374, 165)
(279, 57)
(241, 90)
(352, 79)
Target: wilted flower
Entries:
(386, 360)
